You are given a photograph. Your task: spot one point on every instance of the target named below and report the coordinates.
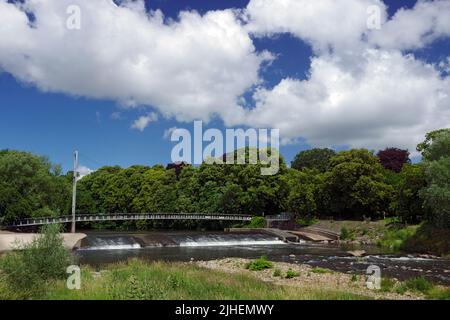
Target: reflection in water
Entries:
(103, 248)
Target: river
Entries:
(101, 248)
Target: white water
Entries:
(112, 243)
(114, 247)
(229, 243)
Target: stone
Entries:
(357, 253)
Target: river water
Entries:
(101, 248)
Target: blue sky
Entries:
(54, 124)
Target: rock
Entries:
(357, 253)
(292, 256)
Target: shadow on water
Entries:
(103, 248)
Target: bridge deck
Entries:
(131, 216)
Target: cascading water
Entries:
(110, 243)
(218, 240)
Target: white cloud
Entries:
(192, 68)
(415, 28)
(84, 171)
(142, 122)
(325, 24)
(361, 89)
(389, 100)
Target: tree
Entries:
(31, 186)
(304, 188)
(313, 159)
(393, 158)
(429, 138)
(436, 154)
(355, 184)
(408, 203)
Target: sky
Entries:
(331, 73)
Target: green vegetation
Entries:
(348, 234)
(277, 272)
(137, 279)
(291, 274)
(257, 222)
(259, 264)
(353, 184)
(395, 237)
(320, 270)
(416, 285)
(307, 221)
(26, 271)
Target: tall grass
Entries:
(25, 271)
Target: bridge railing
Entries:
(130, 216)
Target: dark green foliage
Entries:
(318, 159)
(408, 203)
(437, 168)
(347, 234)
(258, 222)
(31, 186)
(356, 186)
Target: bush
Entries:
(277, 273)
(307, 221)
(320, 270)
(395, 238)
(257, 222)
(347, 234)
(259, 264)
(26, 270)
(418, 284)
(291, 274)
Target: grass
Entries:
(348, 234)
(307, 221)
(291, 274)
(136, 279)
(416, 285)
(320, 270)
(394, 238)
(259, 264)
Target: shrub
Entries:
(27, 269)
(320, 270)
(418, 284)
(291, 274)
(387, 284)
(307, 221)
(277, 273)
(257, 222)
(259, 264)
(347, 234)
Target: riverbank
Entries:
(218, 280)
(12, 240)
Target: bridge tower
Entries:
(74, 188)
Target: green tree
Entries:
(313, 159)
(355, 185)
(408, 203)
(31, 186)
(436, 156)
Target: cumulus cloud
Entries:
(193, 68)
(83, 171)
(389, 100)
(142, 122)
(415, 28)
(325, 24)
(362, 89)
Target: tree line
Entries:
(351, 184)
